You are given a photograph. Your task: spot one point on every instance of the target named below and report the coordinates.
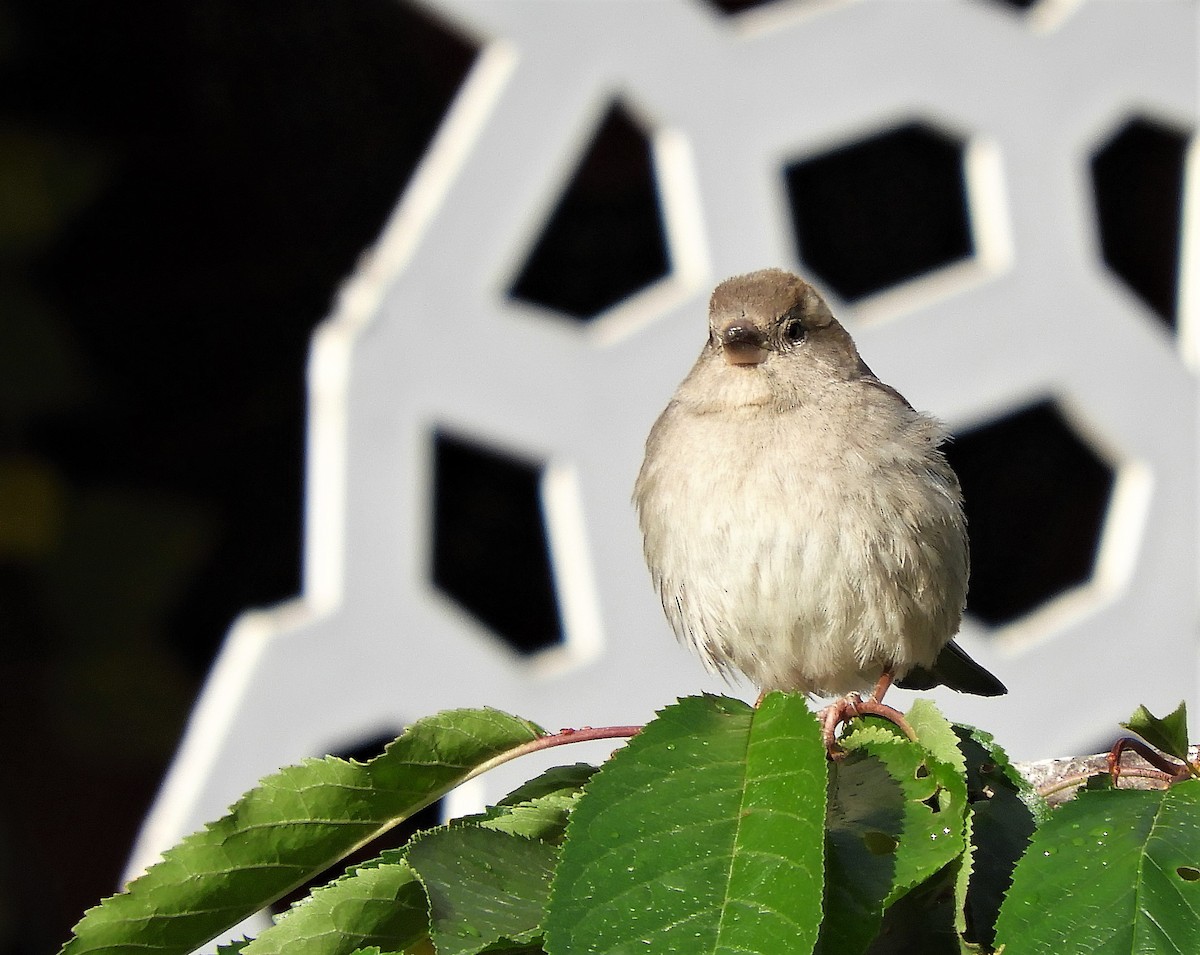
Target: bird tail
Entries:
(953, 668)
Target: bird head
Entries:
(777, 331)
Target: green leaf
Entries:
(865, 819)
(704, 834)
(987, 764)
(557, 780)
(896, 819)
(544, 818)
(934, 818)
(484, 886)
(964, 872)
(1113, 871)
(1005, 811)
(936, 734)
(932, 776)
(1169, 734)
(376, 904)
(293, 825)
(540, 808)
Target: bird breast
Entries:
(806, 555)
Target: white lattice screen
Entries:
(426, 339)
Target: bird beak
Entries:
(743, 344)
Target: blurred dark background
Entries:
(182, 188)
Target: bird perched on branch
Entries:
(801, 524)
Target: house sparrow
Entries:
(801, 524)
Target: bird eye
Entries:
(793, 331)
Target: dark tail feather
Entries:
(953, 668)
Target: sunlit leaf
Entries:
(704, 834)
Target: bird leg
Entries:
(852, 705)
(882, 685)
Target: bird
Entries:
(800, 521)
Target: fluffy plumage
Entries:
(801, 524)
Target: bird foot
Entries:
(850, 706)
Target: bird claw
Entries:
(850, 706)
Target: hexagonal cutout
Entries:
(1137, 176)
(367, 748)
(732, 7)
(881, 210)
(605, 239)
(490, 551)
(1036, 496)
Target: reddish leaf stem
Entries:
(561, 738)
